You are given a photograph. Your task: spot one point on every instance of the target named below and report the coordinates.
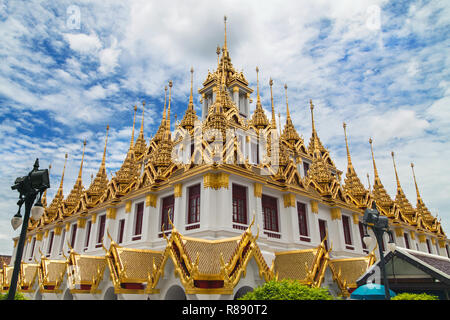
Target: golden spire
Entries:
(279, 121)
(190, 115)
(395, 170)
(349, 159)
(82, 159)
(352, 183)
(415, 183)
(132, 132)
(140, 145)
(289, 132)
(381, 196)
(225, 40)
(99, 183)
(103, 166)
(168, 108)
(259, 118)
(311, 106)
(400, 197)
(368, 181)
(62, 176)
(141, 132)
(75, 194)
(288, 115)
(274, 123)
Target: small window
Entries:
(428, 246)
(50, 243)
(406, 237)
(73, 235)
(33, 244)
(323, 232)
(88, 234)
(63, 238)
(239, 204)
(361, 234)
(194, 204)
(347, 231)
(168, 204)
(302, 221)
(139, 214)
(121, 231)
(101, 230)
(270, 210)
(305, 168)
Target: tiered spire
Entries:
(400, 197)
(352, 184)
(259, 118)
(274, 122)
(314, 142)
(75, 194)
(100, 182)
(289, 133)
(382, 198)
(422, 210)
(140, 146)
(52, 209)
(190, 116)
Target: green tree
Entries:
(414, 296)
(18, 296)
(287, 290)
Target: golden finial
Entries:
(168, 108)
(395, 170)
(274, 123)
(225, 41)
(142, 122)
(257, 82)
(132, 132)
(373, 160)
(311, 106)
(104, 149)
(346, 144)
(279, 122)
(288, 115)
(368, 181)
(415, 182)
(82, 159)
(191, 98)
(64, 170)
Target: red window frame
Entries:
(88, 234)
(239, 204)
(101, 230)
(33, 244)
(302, 221)
(323, 232)
(73, 236)
(305, 168)
(405, 236)
(121, 230)
(347, 232)
(194, 204)
(361, 233)
(168, 203)
(50, 244)
(270, 211)
(139, 216)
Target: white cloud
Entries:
(83, 43)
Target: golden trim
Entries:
(150, 200)
(216, 180)
(128, 206)
(178, 190)
(336, 213)
(422, 238)
(257, 189)
(413, 235)
(356, 218)
(39, 236)
(81, 222)
(314, 206)
(111, 213)
(289, 200)
(399, 232)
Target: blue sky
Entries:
(380, 66)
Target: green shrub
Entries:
(287, 290)
(18, 296)
(414, 296)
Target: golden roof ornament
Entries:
(274, 122)
(381, 197)
(400, 197)
(190, 116)
(52, 209)
(289, 133)
(422, 210)
(100, 182)
(259, 118)
(352, 184)
(314, 142)
(140, 145)
(75, 194)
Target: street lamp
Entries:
(379, 225)
(29, 186)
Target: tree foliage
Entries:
(18, 296)
(414, 296)
(287, 290)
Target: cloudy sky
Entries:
(70, 68)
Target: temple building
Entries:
(214, 208)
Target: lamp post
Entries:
(29, 187)
(379, 225)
